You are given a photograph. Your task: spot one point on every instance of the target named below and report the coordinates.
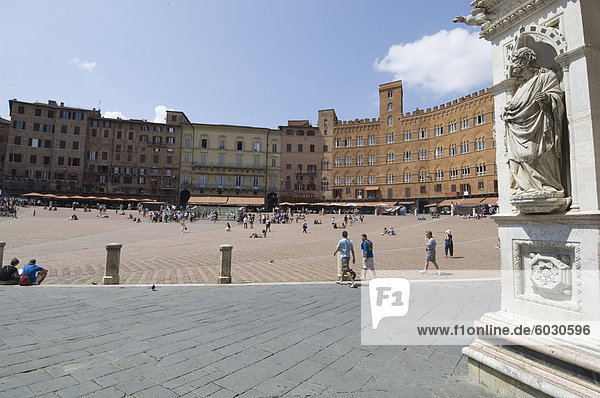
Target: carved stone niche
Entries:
(553, 166)
(548, 273)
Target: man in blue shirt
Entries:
(35, 273)
(367, 249)
(345, 248)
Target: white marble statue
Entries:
(479, 15)
(534, 120)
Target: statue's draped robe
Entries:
(533, 137)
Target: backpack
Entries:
(24, 281)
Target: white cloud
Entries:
(442, 63)
(86, 65)
(160, 114)
(113, 115)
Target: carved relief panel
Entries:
(548, 273)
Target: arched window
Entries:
(390, 121)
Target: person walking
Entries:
(367, 260)
(430, 248)
(345, 248)
(448, 244)
(304, 227)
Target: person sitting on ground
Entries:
(385, 231)
(391, 231)
(264, 233)
(73, 217)
(9, 274)
(228, 229)
(34, 273)
(255, 235)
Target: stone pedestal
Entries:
(550, 246)
(113, 259)
(225, 267)
(2, 244)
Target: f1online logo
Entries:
(389, 297)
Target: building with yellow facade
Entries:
(228, 165)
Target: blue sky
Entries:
(242, 62)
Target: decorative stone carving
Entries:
(534, 120)
(551, 276)
(548, 273)
(479, 15)
(508, 14)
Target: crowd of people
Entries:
(33, 274)
(8, 205)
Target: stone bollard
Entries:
(2, 244)
(225, 271)
(113, 258)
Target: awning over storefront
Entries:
(492, 201)
(447, 203)
(226, 200)
(207, 200)
(238, 201)
(372, 189)
(432, 205)
(78, 197)
(383, 204)
(471, 201)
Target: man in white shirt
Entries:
(430, 248)
(345, 248)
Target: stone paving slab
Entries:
(229, 341)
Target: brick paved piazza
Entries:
(74, 251)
